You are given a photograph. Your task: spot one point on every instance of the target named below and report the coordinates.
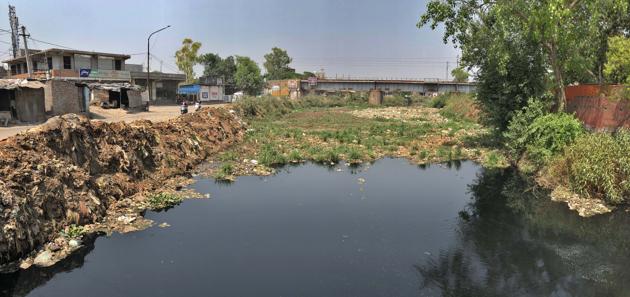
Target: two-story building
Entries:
(70, 76)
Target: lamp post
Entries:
(149, 59)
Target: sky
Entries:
(357, 38)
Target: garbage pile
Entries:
(404, 114)
(70, 170)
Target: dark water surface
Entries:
(390, 229)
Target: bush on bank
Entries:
(276, 106)
(596, 166)
(539, 136)
(461, 107)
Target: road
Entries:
(156, 114)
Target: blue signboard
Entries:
(189, 90)
(84, 72)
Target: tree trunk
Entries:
(561, 98)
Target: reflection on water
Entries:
(513, 243)
(22, 282)
(388, 229)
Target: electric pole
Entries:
(15, 31)
(446, 70)
(149, 89)
(29, 67)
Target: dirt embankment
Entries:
(71, 170)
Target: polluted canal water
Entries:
(387, 229)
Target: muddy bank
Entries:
(71, 170)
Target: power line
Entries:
(166, 64)
(50, 43)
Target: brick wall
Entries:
(63, 97)
(599, 107)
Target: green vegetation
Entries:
(460, 74)
(186, 58)
(512, 45)
(224, 172)
(73, 232)
(247, 76)
(164, 201)
(550, 134)
(617, 68)
(597, 165)
(460, 107)
(277, 65)
(335, 128)
(215, 66)
(539, 135)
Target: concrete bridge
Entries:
(422, 87)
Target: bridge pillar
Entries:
(376, 97)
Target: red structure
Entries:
(600, 107)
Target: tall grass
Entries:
(597, 165)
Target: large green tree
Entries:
(277, 65)
(247, 76)
(215, 66)
(567, 33)
(186, 58)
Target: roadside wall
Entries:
(599, 108)
(29, 104)
(135, 99)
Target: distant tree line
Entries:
(239, 73)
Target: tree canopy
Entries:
(617, 68)
(277, 65)
(215, 66)
(460, 74)
(247, 76)
(565, 37)
(186, 58)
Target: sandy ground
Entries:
(155, 113)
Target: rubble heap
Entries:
(70, 170)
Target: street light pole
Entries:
(149, 59)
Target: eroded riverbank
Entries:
(72, 171)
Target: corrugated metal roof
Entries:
(12, 84)
(116, 87)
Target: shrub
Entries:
(73, 232)
(270, 156)
(439, 101)
(264, 106)
(550, 134)
(516, 136)
(224, 172)
(597, 166)
(164, 201)
(295, 156)
(460, 106)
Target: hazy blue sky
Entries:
(375, 38)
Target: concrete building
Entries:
(202, 92)
(66, 74)
(163, 85)
(209, 89)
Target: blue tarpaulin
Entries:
(189, 90)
